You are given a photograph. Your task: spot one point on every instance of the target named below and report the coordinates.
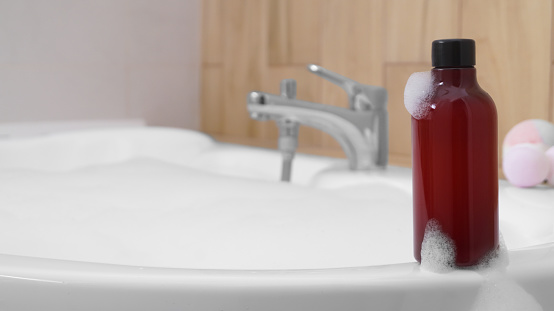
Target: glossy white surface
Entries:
(162, 219)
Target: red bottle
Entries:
(455, 161)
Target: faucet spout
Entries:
(351, 129)
(362, 130)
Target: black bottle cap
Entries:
(453, 53)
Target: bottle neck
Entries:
(464, 77)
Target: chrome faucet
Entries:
(362, 130)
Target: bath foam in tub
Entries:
(419, 89)
(498, 292)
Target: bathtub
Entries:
(150, 218)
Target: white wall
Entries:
(100, 59)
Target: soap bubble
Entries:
(419, 89)
(438, 252)
(497, 259)
(498, 292)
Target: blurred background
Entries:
(190, 63)
(252, 44)
(100, 59)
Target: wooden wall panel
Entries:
(211, 115)
(278, 32)
(243, 63)
(552, 94)
(212, 32)
(513, 55)
(253, 44)
(293, 31)
(352, 41)
(552, 67)
(411, 25)
(305, 24)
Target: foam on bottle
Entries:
(419, 89)
(498, 292)
(438, 252)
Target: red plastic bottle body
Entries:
(455, 166)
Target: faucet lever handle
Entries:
(332, 77)
(351, 87)
(361, 97)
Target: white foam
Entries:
(501, 293)
(497, 259)
(498, 292)
(438, 252)
(148, 212)
(419, 89)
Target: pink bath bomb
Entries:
(525, 132)
(526, 165)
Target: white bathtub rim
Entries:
(538, 260)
